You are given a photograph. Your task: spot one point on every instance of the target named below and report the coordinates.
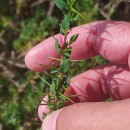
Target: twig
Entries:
(37, 3)
(51, 7)
(8, 74)
(111, 7)
(0, 126)
(19, 65)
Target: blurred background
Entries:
(23, 24)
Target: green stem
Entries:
(75, 11)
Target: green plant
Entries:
(60, 75)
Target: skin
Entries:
(111, 40)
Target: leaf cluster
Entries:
(61, 74)
(70, 13)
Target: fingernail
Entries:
(49, 122)
(43, 108)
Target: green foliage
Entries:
(65, 66)
(57, 46)
(65, 24)
(21, 104)
(88, 9)
(60, 75)
(73, 39)
(33, 30)
(63, 6)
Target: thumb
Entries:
(50, 121)
(84, 116)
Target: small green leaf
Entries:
(65, 66)
(68, 80)
(57, 80)
(54, 71)
(50, 105)
(65, 24)
(57, 46)
(66, 54)
(60, 104)
(53, 88)
(109, 100)
(63, 97)
(61, 5)
(74, 19)
(73, 38)
(45, 81)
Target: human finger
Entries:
(95, 115)
(103, 37)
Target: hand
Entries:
(111, 40)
